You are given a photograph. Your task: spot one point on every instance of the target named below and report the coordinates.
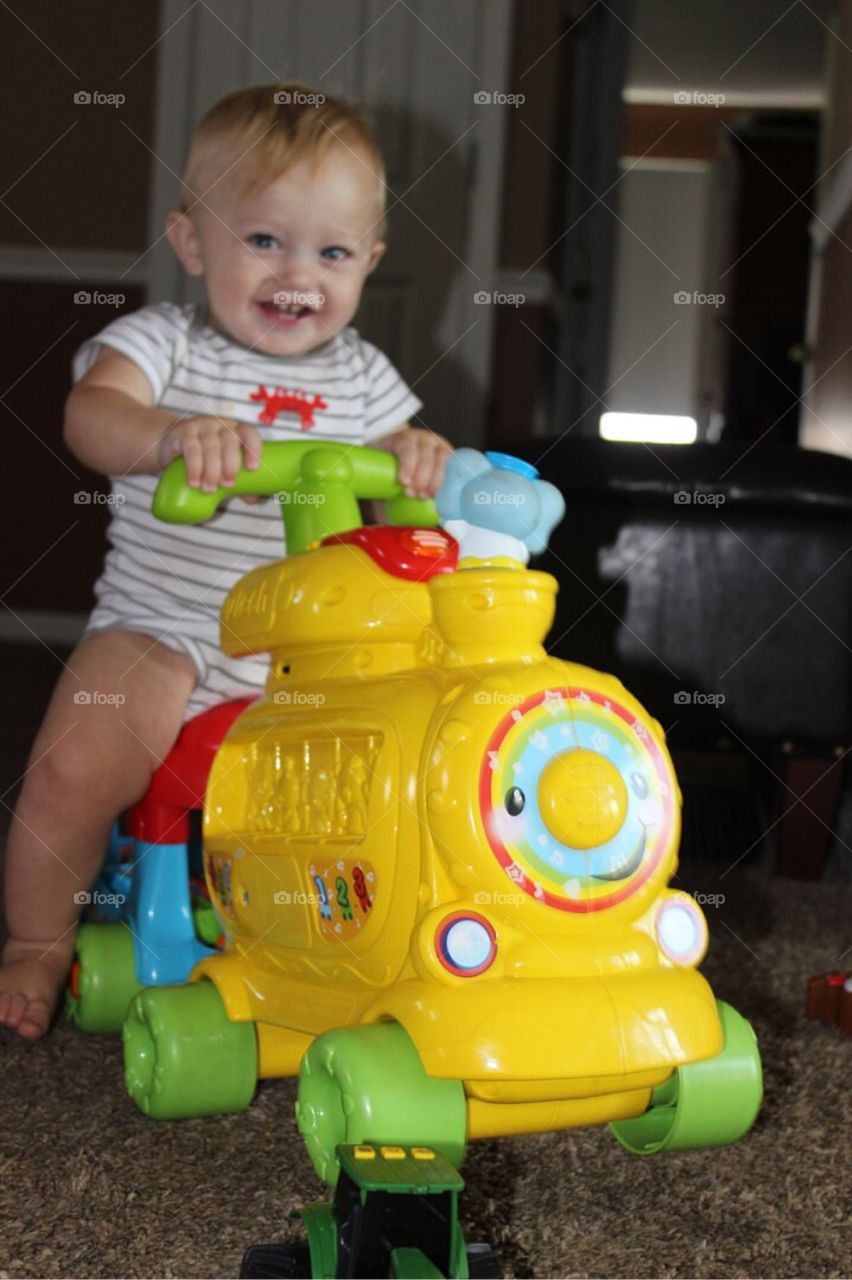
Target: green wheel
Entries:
(704, 1104)
(367, 1084)
(183, 1056)
(102, 981)
(206, 922)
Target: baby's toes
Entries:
(13, 1005)
(35, 1020)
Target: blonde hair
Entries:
(260, 131)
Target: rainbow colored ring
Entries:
(578, 880)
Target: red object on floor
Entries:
(829, 999)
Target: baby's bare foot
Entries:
(32, 975)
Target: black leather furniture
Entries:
(716, 582)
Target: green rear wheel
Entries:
(206, 923)
(183, 1056)
(367, 1084)
(704, 1104)
(103, 980)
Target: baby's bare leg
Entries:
(91, 760)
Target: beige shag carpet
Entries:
(91, 1188)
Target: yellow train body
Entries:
(427, 819)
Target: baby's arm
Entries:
(422, 457)
(112, 426)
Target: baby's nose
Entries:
(295, 271)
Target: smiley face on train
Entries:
(577, 797)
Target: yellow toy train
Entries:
(439, 857)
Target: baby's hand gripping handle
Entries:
(318, 486)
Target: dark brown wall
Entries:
(776, 169)
(529, 166)
(520, 361)
(676, 132)
(53, 546)
(89, 187)
(74, 177)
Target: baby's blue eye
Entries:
(261, 240)
(334, 253)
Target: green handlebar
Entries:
(318, 486)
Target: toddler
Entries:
(282, 213)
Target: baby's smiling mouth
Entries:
(284, 313)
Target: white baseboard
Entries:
(32, 626)
(94, 266)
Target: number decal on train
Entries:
(345, 894)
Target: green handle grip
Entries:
(318, 486)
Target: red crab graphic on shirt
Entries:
(282, 401)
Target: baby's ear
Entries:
(183, 238)
(376, 254)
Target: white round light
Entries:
(681, 932)
(466, 945)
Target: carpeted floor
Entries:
(89, 1187)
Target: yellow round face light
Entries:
(578, 798)
(582, 798)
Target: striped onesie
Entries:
(170, 581)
